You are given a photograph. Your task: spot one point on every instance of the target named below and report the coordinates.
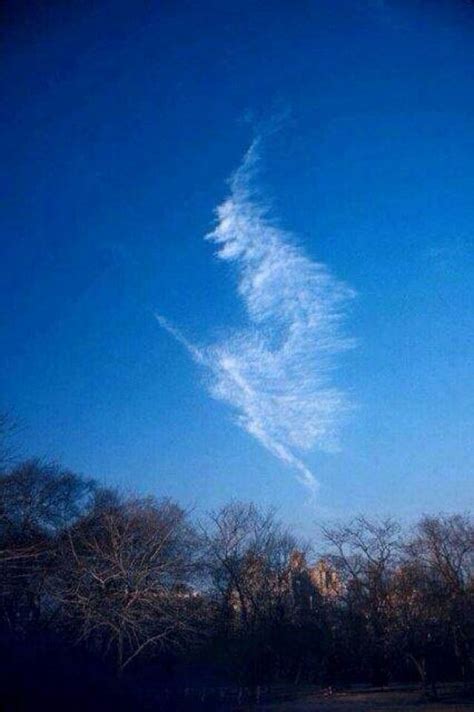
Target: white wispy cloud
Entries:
(276, 372)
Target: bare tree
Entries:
(418, 626)
(123, 578)
(37, 500)
(42, 497)
(442, 549)
(365, 554)
(248, 557)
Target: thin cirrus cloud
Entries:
(276, 372)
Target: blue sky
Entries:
(121, 125)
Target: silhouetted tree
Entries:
(442, 549)
(261, 587)
(37, 501)
(365, 553)
(123, 578)
(96, 576)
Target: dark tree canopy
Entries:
(136, 584)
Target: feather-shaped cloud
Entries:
(275, 373)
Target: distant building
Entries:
(299, 583)
(325, 579)
(322, 575)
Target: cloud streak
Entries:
(276, 372)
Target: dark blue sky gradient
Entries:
(121, 122)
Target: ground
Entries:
(398, 700)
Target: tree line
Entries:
(136, 587)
